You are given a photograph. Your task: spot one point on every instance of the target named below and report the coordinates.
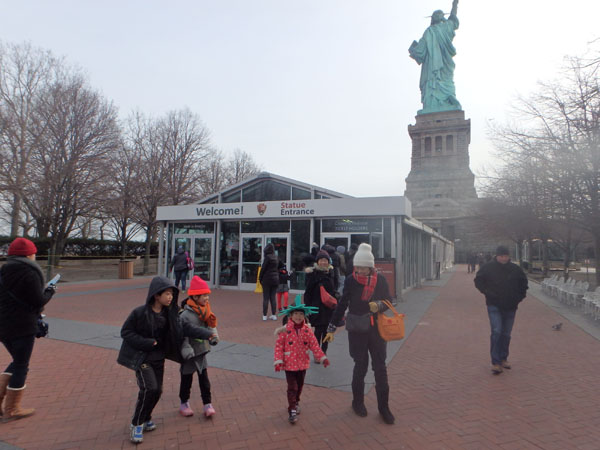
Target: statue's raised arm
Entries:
(434, 52)
(454, 8)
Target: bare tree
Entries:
(25, 72)
(559, 137)
(240, 167)
(78, 138)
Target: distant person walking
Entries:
(269, 279)
(179, 266)
(504, 285)
(22, 299)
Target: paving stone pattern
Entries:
(442, 391)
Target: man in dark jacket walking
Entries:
(179, 265)
(504, 285)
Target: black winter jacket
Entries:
(139, 330)
(179, 261)
(351, 299)
(269, 273)
(315, 278)
(504, 285)
(22, 278)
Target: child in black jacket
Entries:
(151, 333)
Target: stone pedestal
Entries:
(440, 184)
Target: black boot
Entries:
(382, 405)
(358, 399)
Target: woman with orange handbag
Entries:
(321, 274)
(364, 291)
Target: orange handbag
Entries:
(390, 328)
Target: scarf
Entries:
(369, 282)
(204, 312)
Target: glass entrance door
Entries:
(202, 254)
(200, 249)
(251, 256)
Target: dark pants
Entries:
(269, 296)
(320, 332)
(20, 349)
(150, 380)
(185, 387)
(181, 275)
(295, 382)
(361, 345)
(501, 323)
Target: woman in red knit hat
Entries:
(196, 311)
(22, 299)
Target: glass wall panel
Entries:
(230, 253)
(232, 197)
(387, 238)
(271, 226)
(300, 194)
(252, 253)
(267, 190)
(300, 249)
(194, 228)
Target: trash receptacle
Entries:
(125, 270)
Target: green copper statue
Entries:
(434, 52)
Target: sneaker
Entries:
(264, 317)
(505, 364)
(297, 409)
(209, 410)
(293, 416)
(149, 426)
(137, 433)
(496, 369)
(185, 410)
(273, 317)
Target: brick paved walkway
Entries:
(443, 394)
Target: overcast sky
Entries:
(317, 90)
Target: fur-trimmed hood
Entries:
(318, 268)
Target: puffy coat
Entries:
(139, 330)
(315, 278)
(292, 347)
(351, 299)
(193, 351)
(504, 285)
(179, 261)
(269, 273)
(19, 312)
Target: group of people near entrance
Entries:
(184, 332)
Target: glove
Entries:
(279, 367)
(50, 290)
(326, 362)
(374, 307)
(328, 337)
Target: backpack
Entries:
(189, 261)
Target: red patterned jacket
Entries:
(292, 347)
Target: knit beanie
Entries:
(198, 286)
(502, 250)
(364, 257)
(322, 255)
(22, 247)
(341, 249)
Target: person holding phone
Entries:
(22, 299)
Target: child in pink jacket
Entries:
(294, 341)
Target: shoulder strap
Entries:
(389, 305)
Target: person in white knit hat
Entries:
(363, 291)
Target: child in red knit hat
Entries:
(196, 311)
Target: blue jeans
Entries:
(501, 322)
(181, 276)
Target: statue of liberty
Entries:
(434, 53)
